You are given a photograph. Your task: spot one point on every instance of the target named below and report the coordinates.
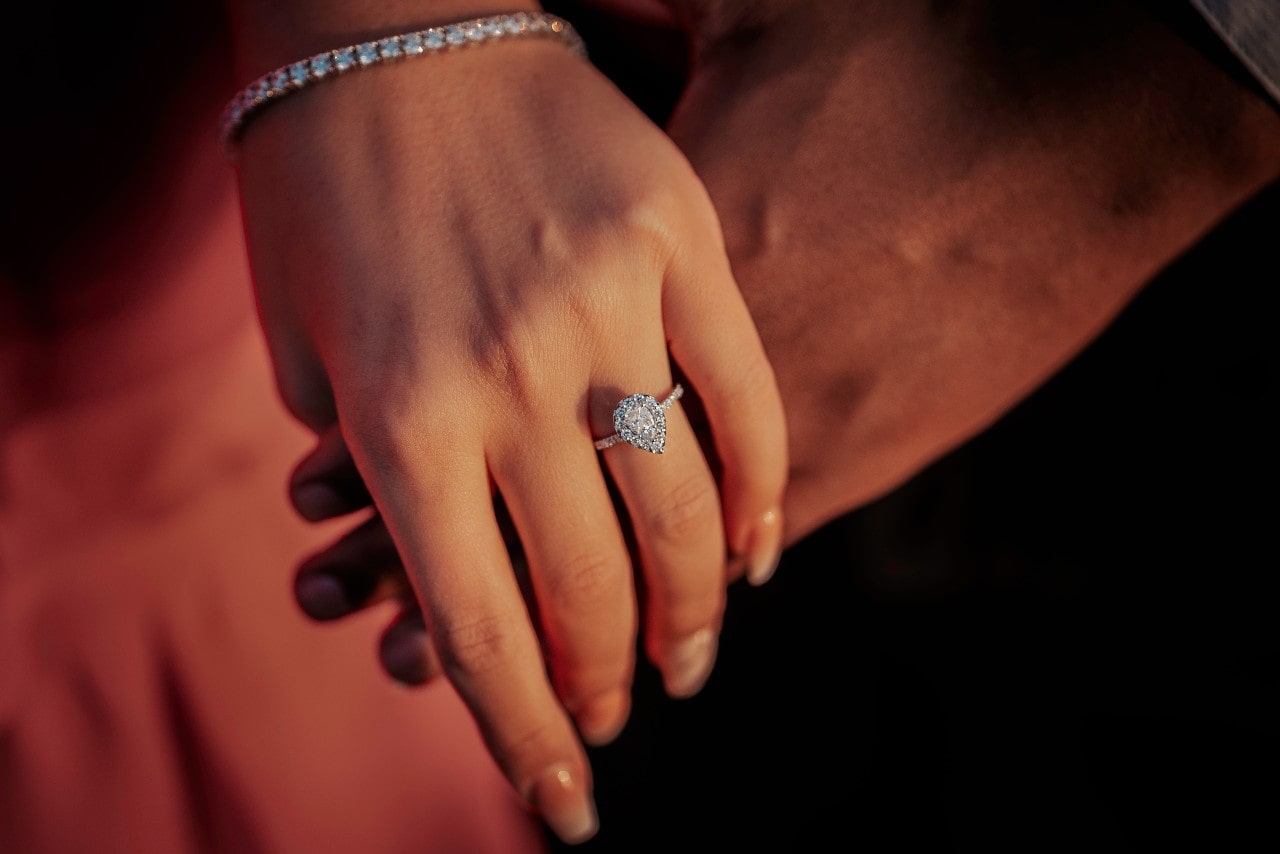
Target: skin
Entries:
(466, 316)
(929, 211)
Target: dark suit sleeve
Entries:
(1250, 30)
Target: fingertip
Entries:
(317, 501)
(562, 799)
(405, 653)
(688, 663)
(765, 548)
(321, 596)
(601, 719)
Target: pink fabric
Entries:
(159, 689)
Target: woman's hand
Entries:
(463, 263)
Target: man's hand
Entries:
(931, 208)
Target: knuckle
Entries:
(638, 222)
(470, 649)
(396, 430)
(651, 220)
(386, 440)
(375, 400)
(551, 243)
(691, 509)
(581, 581)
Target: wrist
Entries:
(267, 35)
(459, 35)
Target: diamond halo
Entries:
(641, 421)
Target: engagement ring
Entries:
(641, 420)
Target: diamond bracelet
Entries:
(275, 85)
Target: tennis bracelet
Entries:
(287, 79)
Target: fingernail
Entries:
(689, 663)
(322, 596)
(565, 805)
(602, 718)
(316, 501)
(765, 550)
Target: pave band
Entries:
(641, 420)
(299, 75)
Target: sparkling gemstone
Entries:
(344, 58)
(412, 43)
(475, 32)
(321, 65)
(298, 73)
(454, 35)
(640, 422)
(639, 419)
(280, 80)
(367, 53)
(513, 24)
(493, 27)
(434, 39)
(389, 47)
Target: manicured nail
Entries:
(565, 805)
(689, 663)
(316, 501)
(766, 548)
(322, 596)
(602, 718)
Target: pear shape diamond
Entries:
(640, 420)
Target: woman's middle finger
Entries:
(580, 572)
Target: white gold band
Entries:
(305, 72)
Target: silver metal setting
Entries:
(641, 420)
(299, 75)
